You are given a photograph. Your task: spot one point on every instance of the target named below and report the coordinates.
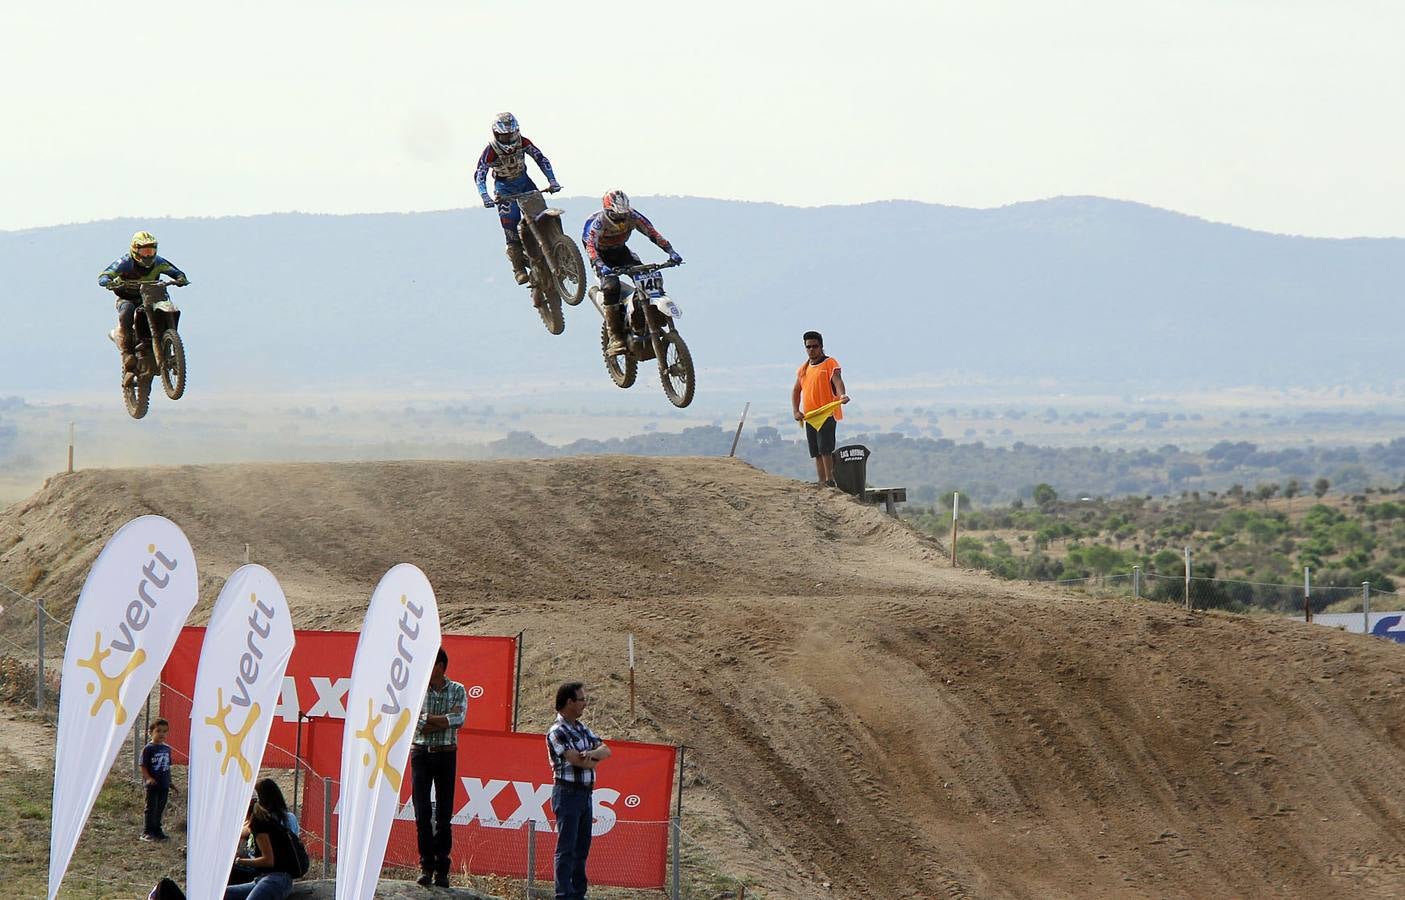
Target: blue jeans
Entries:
(508, 213)
(273, 886)
(574, 814)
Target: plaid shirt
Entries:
(451, 701)
(565, 736)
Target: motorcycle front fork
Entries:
(154, 339)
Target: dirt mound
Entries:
(857, 714)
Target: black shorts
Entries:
(821, 441)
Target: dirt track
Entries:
(856, 712)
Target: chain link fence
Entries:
(32, 644)
(1229, 595)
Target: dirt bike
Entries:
(651, 332)
(158, 347)
(555, 264)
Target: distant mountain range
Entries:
(1101, 294)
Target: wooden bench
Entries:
(889, 497)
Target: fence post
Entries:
(1307, 594)
(136, 755)
(297, 761)
(517, 680)
(39, 667)
(326, 827)
(531, 855)
(955, 510)
(676, 827)
(631, 675)
(1187, 579)
(1136, 582)
(1365, 607)
(738, 436)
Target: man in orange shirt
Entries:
(818, 383)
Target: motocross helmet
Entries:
(507, 137)
(144, 249)
(616, 204)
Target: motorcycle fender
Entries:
(166, 306)
(666, 306)
(549, 214)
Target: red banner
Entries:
(316, 683)
(505, 781)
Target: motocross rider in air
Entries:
(506, 156)
(604, 237)
(122, 278)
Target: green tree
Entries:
(1319, 487)
(1293, 488)
(1102, 558)
(1045, 496)
(1168, 562)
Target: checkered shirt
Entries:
(451, 701)
(565, 736)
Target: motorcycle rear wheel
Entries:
(550, 310)
(173, 371)
(676, 370)
(137, 396)
(569, 270)
(624, 368)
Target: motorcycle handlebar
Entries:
(137, 284)
(642, 269)
(509, 198)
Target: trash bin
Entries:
(851, 469)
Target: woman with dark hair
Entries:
(270, 797)
(271, 854)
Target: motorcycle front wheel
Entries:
(173, 367)
(676, 370)
(569, 269)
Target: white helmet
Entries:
(506, 135)
(616, 204)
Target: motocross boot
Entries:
(518, 257)
(126, 345)
(614, 326)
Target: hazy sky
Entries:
(1282, 115)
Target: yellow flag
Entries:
(816, 418)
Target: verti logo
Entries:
(382, 766)
(232, 742)
(232, 745)
(397, 679)
(135, 620)
(109, 687)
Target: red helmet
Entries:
(616, 204)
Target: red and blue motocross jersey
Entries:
(602, 234)
(507, 166)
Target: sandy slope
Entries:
(857, 713)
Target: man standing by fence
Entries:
(574, 751)
(818, 385)
(434, 761)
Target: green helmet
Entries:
(144, 249)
